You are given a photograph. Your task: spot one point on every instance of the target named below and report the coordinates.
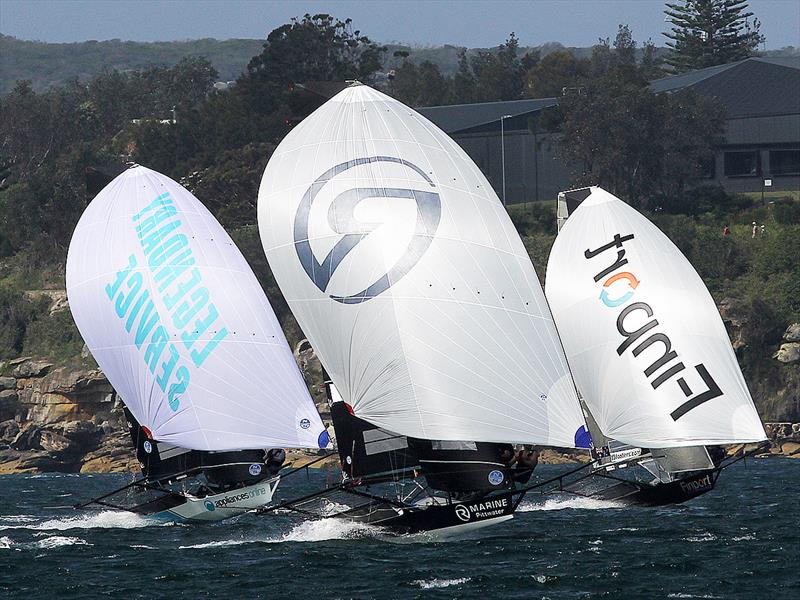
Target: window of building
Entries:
(742, 164)
(784, 162)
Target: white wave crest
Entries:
(6, 543)
(577, 502)
(219, 543)
(58, 540)
(107, 519)
(330, 529)
(439, 583)
(307, 531)
(703, 537)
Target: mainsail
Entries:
(410, 281)
(646, 344)
(179, 324)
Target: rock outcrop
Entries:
(68, 417)
(58, 418)
(789, 352)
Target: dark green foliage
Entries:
(419, 85)
(54, 336)
(787, 211)
(229, 188)
(556, 73)
(778, 251)
(314, 48)
(498, 75)
(710, 32)
(533, 217)
(704, 199)
(645, 148)
(15, 312)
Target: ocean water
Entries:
(742, 540)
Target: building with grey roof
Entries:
(761, 97)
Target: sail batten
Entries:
(408, 278)
(179, 324)
(646, 344)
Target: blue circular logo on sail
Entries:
(210, 505)
(342, 219)
(305, 423)
(255, 469)
(496, 477)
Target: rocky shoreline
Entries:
(68, 418)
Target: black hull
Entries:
(635, 493)
(676, 492)
(416, 519)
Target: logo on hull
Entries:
(462, 512)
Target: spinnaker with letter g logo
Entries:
(342, 219)
(405, 272)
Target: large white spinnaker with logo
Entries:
(410, 281)
(646, 344)
(179, 324)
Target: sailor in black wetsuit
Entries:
(717, 454)
(525, 462)
(274, 460)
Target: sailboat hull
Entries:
(442, 517)
(629, 492)
(675, 492)
(216, 507)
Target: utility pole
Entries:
(503, 153)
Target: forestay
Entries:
(646, 344)
(409, 279)
(179, 324)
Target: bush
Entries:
(53, 336)
(533, 217)
(14, 314)
(705, 199)
(786, 211)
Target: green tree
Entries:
(314, 48)
(556, 72)
(639, 145)
(499, 74)
(710, 32)
(462, 90)
(419, 85)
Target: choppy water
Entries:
(740, 541)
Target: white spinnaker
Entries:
(657, 278)
(179, 324)
(427, 314)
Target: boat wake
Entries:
(574, 502)
(439, 583)
(48, 543)
(108, 519)
(307, 531)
